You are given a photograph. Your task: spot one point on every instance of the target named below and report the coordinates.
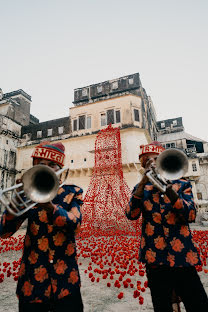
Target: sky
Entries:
(48, 48)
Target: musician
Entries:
(49, 278)
(167, 247)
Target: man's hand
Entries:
(171, 194)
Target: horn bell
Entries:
(40, 183)
(172, 164)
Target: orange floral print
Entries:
(22, 269)
(27, 241)
(47, 291)
(34, 228)
(73, 277)
(176, 187)
(171, 260)
(171, 218)
(156, 198)
(148, 205)
(188, 191)
(143, 243)
(60, 267)
(184, 230)
(150, 256)
(72, 217)
(60, 221)
(156, 217)
(51, 254)
(192, 216)
(70, 249)
(68, 198)
(166, 231)
(43, 216)
(63, 293)
(75, 211)
(178, 204)
(149, 230)
(160, 243)
(192, 257)
(54, 285)
(33, 257)
(43, 243)
(166, 199)
(50, 228)
(177, 245)
(40, 274)
(59, 238)
(60, 190)
(27, 288)
(78, 228)
(135, 213)
(36, 300)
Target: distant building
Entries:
(122, 102)
(171, 134)
(14, 113)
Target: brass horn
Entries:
(171, 164)
(40, 184)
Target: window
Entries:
(84, 92)
(39, 134)
(170, 145)
(136, 114)
(118, 116)
(162, 125)
(75, 125)
(115, 85)
(88, 122)
(99, 89)
(60, 130)
(175, 122)
(110, 116)
(131, 81)
(82, 122)
(194, 167)
(199, 195)
(50, 132)
(103, 120)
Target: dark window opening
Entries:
(110, 116)
(136, 115)
(81, 122)
(118, 117)
(75, 124)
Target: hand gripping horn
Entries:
(171, 164)
(40, 184)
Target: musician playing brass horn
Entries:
(49, 277)
(166, 246)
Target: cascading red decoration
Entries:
(108, 193)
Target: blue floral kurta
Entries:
(166, 237)
(49, 266)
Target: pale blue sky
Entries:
(50, 47)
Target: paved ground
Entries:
(96, 296)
